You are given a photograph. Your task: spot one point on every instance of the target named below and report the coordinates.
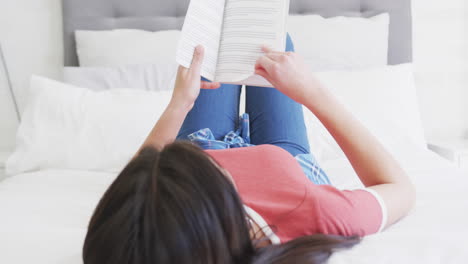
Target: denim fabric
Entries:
(234, 139)
(275, 119)
(312, 169)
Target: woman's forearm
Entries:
(374, 165)
(186, 90)
(166, 129)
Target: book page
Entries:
(247, 25)
(202, 26)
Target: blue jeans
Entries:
(274, 118)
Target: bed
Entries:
(44, 213)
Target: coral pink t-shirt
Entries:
(272, 183)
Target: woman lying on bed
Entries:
(269, 203)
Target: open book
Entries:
(232, 33)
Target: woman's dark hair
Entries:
(177, 206)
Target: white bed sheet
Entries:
(44, 215)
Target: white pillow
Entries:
(341, 43)
(328, 43)
(365, 93)
(383, 99)
(67, 127)
(125, 46)
(154, 77)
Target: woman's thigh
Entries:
(276, 119)
(216, 109)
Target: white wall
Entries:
(8, 122)
(31, 33)
(441, 65)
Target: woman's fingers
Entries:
(267, 49)
(197, 60)
(275, 54)
(261, 72)
(276, 57)
(266, 63)
(210, 85)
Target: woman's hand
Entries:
(186, 91)
(188, 83)
(288, 73)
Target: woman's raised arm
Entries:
(374, 165)
(186, 91)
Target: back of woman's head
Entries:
(169, 206)
(177, 206)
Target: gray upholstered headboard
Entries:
(155, 15)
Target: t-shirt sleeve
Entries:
(358, 212)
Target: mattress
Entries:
(44, 215)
